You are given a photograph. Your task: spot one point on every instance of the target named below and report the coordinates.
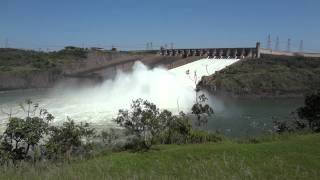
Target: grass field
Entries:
(293, 157)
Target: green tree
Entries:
(70, 139)
(311, 111)
(178, 127)
(142, 121)
(23, 133)
(110, 135)
(201, 110)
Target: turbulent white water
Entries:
(170, 89)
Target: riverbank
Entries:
(280, 157)
(267, 77)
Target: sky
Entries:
(130, 24)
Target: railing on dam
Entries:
(238, 53)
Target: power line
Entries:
(37, 45)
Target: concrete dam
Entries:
(173, 58)
(168, 58)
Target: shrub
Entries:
(177, 128)
(311, 111)
(142, 121)
(109, 136)
(201, 110)
(292, 125)
(22, 134)
(71, 139)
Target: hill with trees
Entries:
(269, 76)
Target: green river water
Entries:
(233, 117)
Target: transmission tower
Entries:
(171, 45)
(277, 44)
(151, 46)
(301, 46)
(6, 44)
(289, 45)
(269, 42)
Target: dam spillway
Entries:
(189, 73)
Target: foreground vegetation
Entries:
(273, 76)
(155, 144)
(283, 157)
(33, 138)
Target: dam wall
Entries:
(37, 79)
(216, 53)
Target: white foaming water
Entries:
(168, 89)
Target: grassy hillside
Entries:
(292, 157)
(17, 60)
(268, 76)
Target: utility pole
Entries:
(277, 44)
(269, 42)
(301, 46)
(289, 45)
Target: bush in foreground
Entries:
(34, 138)
(149, 126)
(22, 134)
(142, 121)
(311, 111)
(69, 140)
